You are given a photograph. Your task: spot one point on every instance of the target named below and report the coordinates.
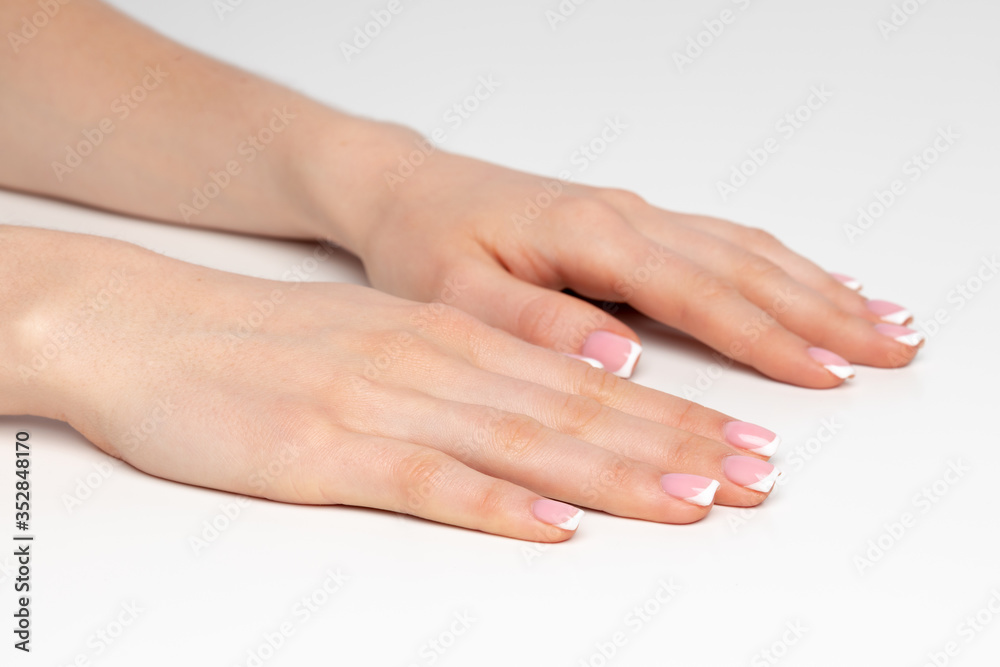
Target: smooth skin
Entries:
(522, 421)
(342, 395)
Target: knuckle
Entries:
(457, 321)
(387, 353)
(518, 436)
(756, 268)
(693, 418)
(689, 417)
(580, 414)
(361, 387)
(603, 387)
(432, 315)
(838, 320)
(586, 212)
(708, 287)
(682, 451)
(288, 421)
(625, 199)
(421, 475)
(283, 463)
(705, 292)
(461, 334)
(484, 422)
(541, 317)
(616, 476)
(491, 498)
(756, 238)
(435, 323)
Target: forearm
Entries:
(98, 109)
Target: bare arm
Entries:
(99, 109)
(211, 145)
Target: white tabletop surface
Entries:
(869, 552)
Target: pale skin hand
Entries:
(542, 424)
(736, 289)
(339, 395)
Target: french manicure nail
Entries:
(847, 281)
(750, 472)
(750, 436)
(593, 362)
(556, 513)
(904, 335)
(889, 311)
(617, 353)
(694, 489)
(834, 363)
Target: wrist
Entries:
(343, 168)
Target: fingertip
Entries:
(751, 480)
(616, 353)
(902, 355)
(850, 283)
(908, 341)
(558, 520)
(908, 337)
(751, 438)
(838, 368)
(808, 366)
(889, 312)
(693, 489)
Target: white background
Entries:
(742, 576)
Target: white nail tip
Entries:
(593, 362)
(843, 372)
(572, 522)
(633, 356)
(769, 449)
(899, 317)
(705, 497)
(852, 285)
(765, 483)
(912, 339)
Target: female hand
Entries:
(338, 394)
(505, 243)
(500, 243)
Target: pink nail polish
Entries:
(847, 281)
(750, 436)
(750, 472)
(834, 363)
(904, 335)
(694, 489)
(618, 354)
(889, 311)
(556, 513)
(593, 362)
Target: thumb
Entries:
(549, 318)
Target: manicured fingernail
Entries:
(889, 311)
(617, 353)
(750, 472)
(834, 363)
(847, 281)
(593, 362)
(904, 335)
(694, 489)
(556, 513)
(750, 436)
